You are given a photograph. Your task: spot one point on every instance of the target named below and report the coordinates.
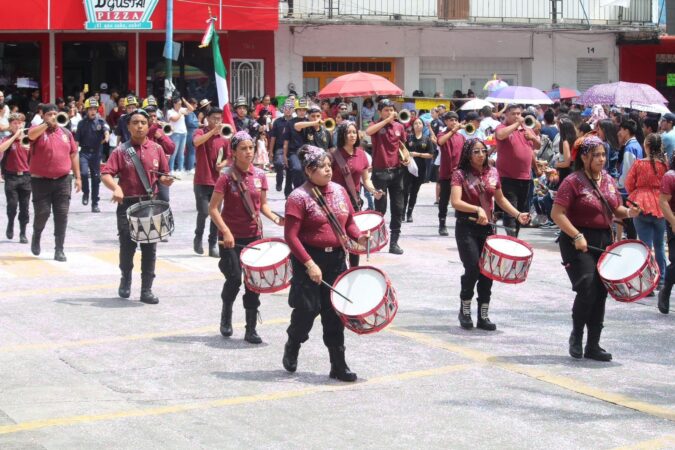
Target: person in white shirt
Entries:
(37, 118)
(176, 117)
(4, 117)
(487, 124)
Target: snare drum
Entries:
(267, 269)
(631, 276)
(505, 259)
(150, 221)
(374, 298)
(372, 221)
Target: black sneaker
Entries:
(443, 231)
(395, 249)
(95, 208)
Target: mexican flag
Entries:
(219, 66)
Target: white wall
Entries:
(539, 58)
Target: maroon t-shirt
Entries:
(583, 206)
(306, 223)
(357, 163)
(164, 141)
(16, 156)
(50, 153)
(668, 187)
(486, 181)
(207, 155)
(514, 155)
(450, 153)
(234, 213)
(120, 164)
(386, 144)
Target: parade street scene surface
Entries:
(377, 224)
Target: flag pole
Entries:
(168, 50)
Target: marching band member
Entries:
(350, 167)
(212, 152)
(450, 143)
(122, 130)
(388, 167)
(242, 193)
(313, 131)
(317, 256)
(92, 133)
(475, 188)
(156, 134)
(583, 209)
(15, 170)
(53, 155)
(129, 191)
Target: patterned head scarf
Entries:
(313, 156)
(587, 144)
(239, 137)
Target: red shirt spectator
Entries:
(240, 223)
(514, 155)
(16, 157)
(206, 156)
(668, 187)
(450, 153)
(120, 163)
(643, 185)
(386, 145)
(272, 110)
(357, 162)
(50, 153)
(582, 205)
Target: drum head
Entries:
(270, 253)
(364, 286)
(616, 268)
(367, 220)
(509, 247)
(148, 208)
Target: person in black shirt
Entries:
(281, 132)
(131, 105)
(422, 150)
(313, 131)
(242, 121)
(92, 132)
(295, 176)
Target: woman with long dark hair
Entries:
(475, 186)
(568, 134)
(421, 150)
(607, 132)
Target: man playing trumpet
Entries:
(14, 163)
(313, 131)
(157, 133)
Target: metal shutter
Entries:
(591, 71)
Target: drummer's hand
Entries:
(378, 194)
(281, 221)
(228, 239)
(166, 181)
(581, 245)
(363, 239)
(482, 217)
(634, 211)
(524, 218)
(118, 195)
(314, 273)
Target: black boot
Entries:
(483, 321)
(59, 255)
(290, 360)
(226, 320)
(22, 234)
(213, 251)
(10, 229)
(464, 316)
(576, 342)
(409, 219)
(85, 199)
(124, 290)
(197, 245)
(146, 289)
(593, 349)
(251, 336)
(35, 244)
(393, 246)
(338, 366)
(442, 230)
(664, 298)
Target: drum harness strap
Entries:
(347, 174)
(605, 203)
(246, 198)
(129, 149)
(471, 180)
(332, 219)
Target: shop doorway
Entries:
(94, 63)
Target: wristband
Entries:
(578, 237)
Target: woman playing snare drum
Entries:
(317, 254)
(474, 187)
(242, 192)
(583, 209)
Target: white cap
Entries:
(104, 85)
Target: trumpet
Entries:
(329, 124)
(226, 131)
(62, 119)
(404, 116)
(167, 129)
(469, 128)
(530, 122)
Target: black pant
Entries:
(628, 225)
(411, 187)
(163, 192)
(470, 238)
(203, 197)
(128, 247)
(391, 182)
(295, 176)
(443, 199)
(230, 266)
(516, 192)
(670, 270)
(589, 303)
(90, 167)
(309, 299)
(51, 195)
(17, 192)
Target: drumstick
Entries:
(336, 291)
(165, 174)
(279, 214)
(368, 247)
(473, 219)
(238, 245)
(598, 249)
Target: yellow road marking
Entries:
(556, 380)
(162, 265)
(246, 399)
(22, 265)
(652, 444)
(113, 339)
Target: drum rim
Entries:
(387, 282)
(138, 205)
(513, 239)
(259, 241)
(378, 226)
(493, 277)
(618, 244)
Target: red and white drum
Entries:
(505, 259)
(631, 276)
(374, 299)
(371, 221)
(266, 264)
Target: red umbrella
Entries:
(359, 84)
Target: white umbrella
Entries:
(476, 104)
(652, 108)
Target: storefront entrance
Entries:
(94, 63)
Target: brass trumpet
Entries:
(530, 122)
(167, 129)
(62, 119)
(329, 124)
(404, 116)
(470, 129)
(226, 131)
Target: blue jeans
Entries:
(190, 158)
(279, 167)
(178, 155)
(90, 167)
(294, 175)
(651, 231)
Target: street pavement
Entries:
(82, 368)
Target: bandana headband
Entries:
(239, 136)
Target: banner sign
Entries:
(119, 14)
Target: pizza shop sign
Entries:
(119, 14)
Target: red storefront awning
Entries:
(69, 15)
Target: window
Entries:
(451, 85)
(94, 63)
(247, 78)
(19, 72)
(428, 86)
(591, 71)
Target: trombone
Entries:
(329, 124)
(226, 131)
(404, 116)
(62, 119)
